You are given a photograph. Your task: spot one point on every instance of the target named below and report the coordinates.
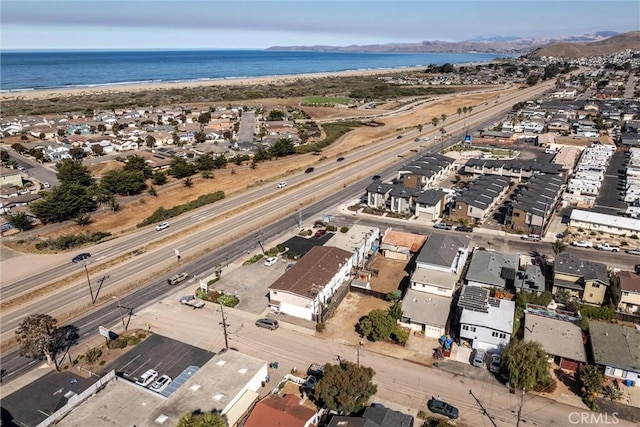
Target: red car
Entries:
(321, 233)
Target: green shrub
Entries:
(331, 228)
(344, 229)
(162, 214)
(320, 327)
(228, 300)
(69, 241)
(292, 255)
(133, 340)
(253, 259)
(92, 355)
(102, 362)
(421, 415)
(634, 237)
(281, 248)
(212, 281)
(142, 335)
(120, 342)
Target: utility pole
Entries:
(224, 327)
(121, 316)
(86, 270)
(484, 410)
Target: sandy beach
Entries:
(252, 81)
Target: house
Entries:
(604, 223)
(307, 288)
(425, 312)
(629, 292)
(426, 171)
(530, 280)
(439, 264)
(491, 269)
(361, 241)
(479, 198)
(586, 280)
(615, 350)
(378, 194)
(55, 153)
(400, 245)
(485, 322)
(287, 411)
(123, 145)
(430, 204)
(562, 340)
(535, 203)
(11, 177)
(373, 416)
(403, 199)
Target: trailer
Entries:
(192, 301)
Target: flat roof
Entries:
(425, 308)
(557, 337)
(604, 219)
(615, 345)
(432, 277)
(355, 238)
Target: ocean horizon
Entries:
(25, 70)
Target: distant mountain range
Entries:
(607, 46)
(496, 44)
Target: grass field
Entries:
(326, 100)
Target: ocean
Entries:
(30, 70)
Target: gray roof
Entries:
(567, 263)
(474, 298)
(379, 187)
(492, 268)
(403, 192)
(484, 190)
(374, 417)
(424, 308)
(557, 337)
(615, 345)
(431, 197)
(441, 249)
(531, 280)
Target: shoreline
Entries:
(31, 94)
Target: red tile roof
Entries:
(406, 240)
(284, 411)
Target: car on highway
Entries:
(147, 378)
(309, 170)
(80, 257)
(438, 406)
(162, 226)
(180, 277)
(464, 228)
(399, 137)
(442, 226)
(161, 383)
(270, 261)
(339, 159)
(375, 177)
(478, 357)
(531, 237)
(635, 251)
(282, 184)
(320, 233)
(494, 365)
(582, 244)
(267, 323)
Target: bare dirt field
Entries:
(341, 326)
(390, 274)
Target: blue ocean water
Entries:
(67, 69)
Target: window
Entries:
(596, 285)
(468, 328)
(500, 335)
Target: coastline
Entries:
(245, 81)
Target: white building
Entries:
(613, 224)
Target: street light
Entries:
(121, 316)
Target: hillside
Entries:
(607, 46)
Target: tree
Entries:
(275, 116)
(102, 128)
(188, 182)
(435, 121)
(395, 310)
(4, 156)
(592, 381)
(158, 178)
(73, 172)
(83, 220)
(204, 118)
(36, 335)
(137, 163)
(150, 141)
(527, 366)
(20, 220)
(419, 127)
(180, 168)
(97, 149)
(123, 182)
(64, 202)
(377, 325)
(345, 387)
(443, 117)
(199, 419)
(558, 247)
(205, 162)
(282, 147)
(459, 111)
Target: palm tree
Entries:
(419, 127)
(188, 182)
(444, 117)
(459, 111)
(435, 121)
(558, 247)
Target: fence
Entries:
(336, 299)
(78, 399)
(371, 292)
(627, 317)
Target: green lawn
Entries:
(326, 100)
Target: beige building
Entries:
(629, 292)
(10, 177)
(582, 279)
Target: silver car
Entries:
(478, 358)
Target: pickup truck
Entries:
(192, 301)
(607, 247)
(177, 278)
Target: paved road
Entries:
(151, 268)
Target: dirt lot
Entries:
(390, 274)
(341, 326)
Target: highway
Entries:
(215, 234)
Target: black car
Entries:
(437, 406)
(81, 257)
(309, 170)
(464, 228)
(339, 159)
(375, 177)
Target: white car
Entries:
(282, 184)
(270, 261)
(162, 226)
(147, 378)
(582, 244)
(635, 251)
(161, 383)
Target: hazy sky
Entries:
(102, 24)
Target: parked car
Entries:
(607, 247)
(316, 369)
(438, 406)
(282, 184)
(161, 383)
(47, 185)
(147, 378)
(270, 261)
(267, 323)
(81, 257)
(192, 301)
(309, 170)
(311, 382)
(494, 365)
(339, 159)
(582, 244)
(464, 228)
(320, 233)
(180, 277)
(531, 237)
(635, 251)
(478, 358)
(442, 226)
(162, 226)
